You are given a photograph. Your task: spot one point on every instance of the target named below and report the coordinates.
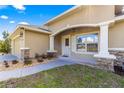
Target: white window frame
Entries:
(75, 43)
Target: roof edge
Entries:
(61, 14)
(28, 27)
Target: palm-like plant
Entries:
(5, 43)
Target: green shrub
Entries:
(5, 45)
(44, 56)
(37, 55)
(51, 55)
(40, 59)
(14, 62)
(6, 64)
(27, 61)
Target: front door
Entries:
(66, 45)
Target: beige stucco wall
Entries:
(116, 35)
(84, 15)
(37, 42)
(77, 31)
(101, 13)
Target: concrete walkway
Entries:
(5, 75)
(61, 61)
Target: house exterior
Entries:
(30, 38)
(90, 31)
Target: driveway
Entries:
(8, 57)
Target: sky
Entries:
(12, 15)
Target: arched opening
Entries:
(77, 41)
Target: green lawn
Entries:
(68, 76)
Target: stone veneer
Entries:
(108, 64)
(119, 57)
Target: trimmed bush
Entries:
(44, 56)
(6, 64)
(51, 54)
(119, 70)
(37, 55)
(14, 62)
(40, 59)
(27, 61)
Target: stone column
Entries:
(104, 59)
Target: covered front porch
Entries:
(82, 41)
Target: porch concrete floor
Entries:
(87, 61)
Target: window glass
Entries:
(87, 43)
(81, 47)
(67, 42)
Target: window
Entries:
(87, 43)
(119, 10)
(67, 42)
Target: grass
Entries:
(73, 76)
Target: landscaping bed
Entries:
(69, 76)
(21, 64)
(11, 62)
